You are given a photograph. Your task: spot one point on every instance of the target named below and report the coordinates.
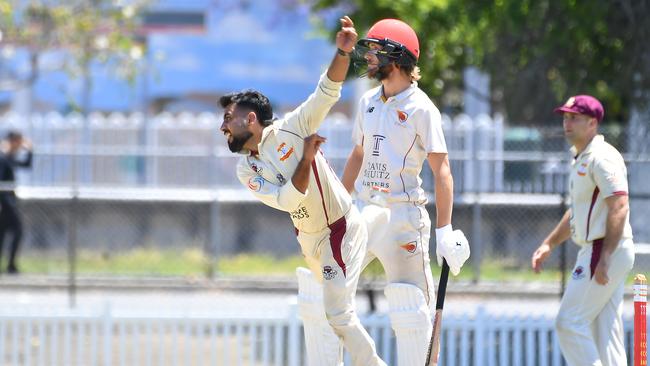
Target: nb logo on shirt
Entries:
(370, 110)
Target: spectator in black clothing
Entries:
(16, 152)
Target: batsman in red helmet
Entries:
(397, 129)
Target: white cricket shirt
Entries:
(268, 174)
(397, 133)
(597, 173)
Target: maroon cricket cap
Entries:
(583, 104)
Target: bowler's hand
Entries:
(540, 256)
(346, 38)
(600, 273)
(312, 145)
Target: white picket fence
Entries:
(188, 150)
(85, 337)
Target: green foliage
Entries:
(6, 19)
(537, 52)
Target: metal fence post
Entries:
(477, 243)
(465, 126)
(214, 225)
(213, 237)
(153, 129)
(563, 247)
(72, 228)
(484, 129)
(498, 152)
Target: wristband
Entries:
(343, 53)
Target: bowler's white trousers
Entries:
(589, 323)
(335, 255)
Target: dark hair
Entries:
(252, 100)
(13, 135)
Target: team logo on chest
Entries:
(582, 169)
(402, 116)
(370, 110)
(376, 144)
(286, 152)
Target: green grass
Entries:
(258, 264)
(193, 263)
(502, 271)
(134, 262)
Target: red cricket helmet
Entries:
(397, 38)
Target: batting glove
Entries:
(453, 246)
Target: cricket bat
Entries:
(434, 344)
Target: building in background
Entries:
(197, 50)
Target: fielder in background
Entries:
(589, 323)
(284, 169)
(16, 153)
(396, 129)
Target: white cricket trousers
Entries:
(398, 235)
(589, 323)
(402, 246)
(335, 256)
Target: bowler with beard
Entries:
(283, 167)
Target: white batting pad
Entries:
(323, 346)
(410, 318)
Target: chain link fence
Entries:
(107, 185)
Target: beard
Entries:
(237, 143)
(381, 73)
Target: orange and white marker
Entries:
(640, 321)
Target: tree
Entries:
(88, 30)
(537, 52)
